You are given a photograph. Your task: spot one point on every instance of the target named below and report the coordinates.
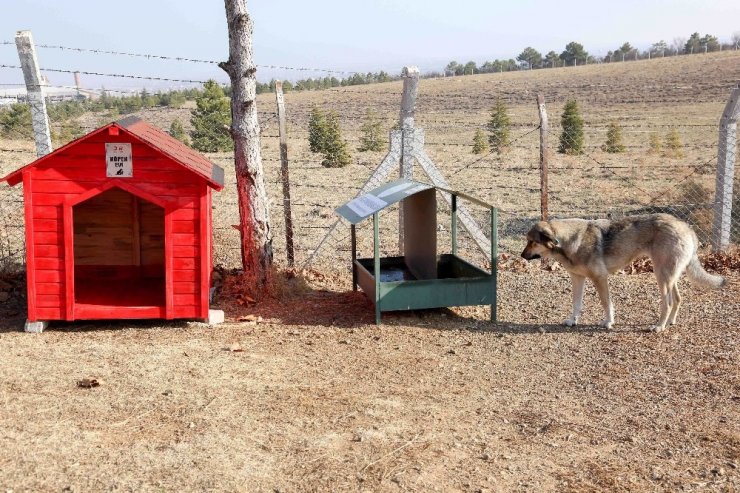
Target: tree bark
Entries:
(256, 234)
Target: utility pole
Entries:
(32, 77)
(254, 214)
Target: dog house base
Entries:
(35, 327)
(215, 317)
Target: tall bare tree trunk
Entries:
(256, 235)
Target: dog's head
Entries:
(541, 241)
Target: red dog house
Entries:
(118, 225)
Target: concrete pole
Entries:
(32, 77)
(722, 225)
(408, 110)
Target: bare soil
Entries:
(316, 398)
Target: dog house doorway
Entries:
(119, 254)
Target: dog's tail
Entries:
(698, 275)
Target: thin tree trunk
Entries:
(256, 235)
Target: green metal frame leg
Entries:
(494, 264)
(376, 266)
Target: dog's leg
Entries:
(602, 287)
(676, 304)
(665, 303)
(579, 283)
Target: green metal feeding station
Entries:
(420, 278)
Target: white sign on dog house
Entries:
(119, 163)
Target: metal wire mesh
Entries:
(653, 174)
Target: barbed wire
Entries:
(493, 151)
(123, 76)
(152, 56)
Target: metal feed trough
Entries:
(421, 278)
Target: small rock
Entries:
(485, 456)
(451, 351)
(656, 474)
(541, 330)
(718, 471)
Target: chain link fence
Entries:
(668, 164)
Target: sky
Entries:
(342, 35)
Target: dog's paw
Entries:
(657, 328)
(570, 322)
(606, 324)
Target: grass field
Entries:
(316, 398)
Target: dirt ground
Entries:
(316, 398)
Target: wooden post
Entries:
(256, 235)
(544, 130)
(32, 77)
(722, 225)
(453, 226)
(284, 173)
(408, 110)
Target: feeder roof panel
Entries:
(364, 206)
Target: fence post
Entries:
(722, 226)
(284, 175)
(32, 77)
(408, 109)
(544, 155)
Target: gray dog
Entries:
(594, 249)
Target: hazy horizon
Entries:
(329, 34)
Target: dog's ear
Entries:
(548, 238)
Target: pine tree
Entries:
(571, 138)
(371, 139)
(178, 131)
(210, 119)
(613, 142)
(15, 122)
(673, 145)
(480, 144)
(336, 153)
(655, 143)
(317, 129)
(499, 127)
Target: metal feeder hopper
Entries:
(421, 278)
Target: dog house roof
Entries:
(153, 137)
(364, 206)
